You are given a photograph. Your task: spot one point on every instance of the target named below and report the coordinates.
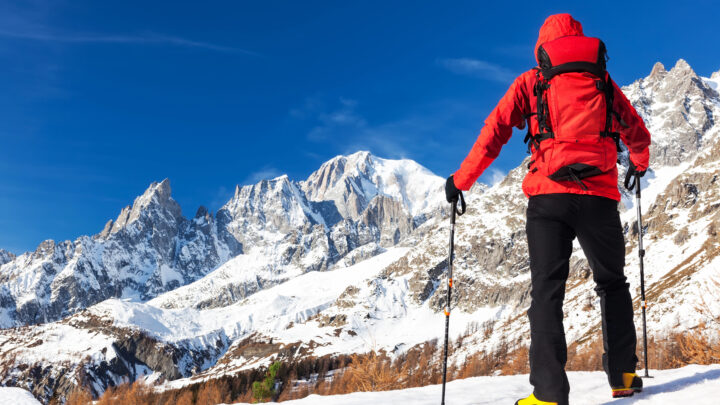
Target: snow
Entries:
(713, 82)
(402, 180)
(416, 186)
(17, 396)
(60, 342)
(652, 184)
(269, 310)
(699, 385)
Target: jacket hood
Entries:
(556, 26)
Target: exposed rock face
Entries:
(151, 248)
(6, 257)
(678, 107)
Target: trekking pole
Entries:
(641, 254)
(632, 175)
(450, 283)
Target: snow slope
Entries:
(266, 311)
(699, 385)
(16, 396)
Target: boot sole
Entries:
(623, 393)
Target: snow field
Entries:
(16, 396)
(269, 310)
(699, 385)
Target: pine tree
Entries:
(265, 390)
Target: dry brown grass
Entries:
(419, 366)
(371, 372)
(587, 358)
(127, 394)
(80, 396)
(681, 349)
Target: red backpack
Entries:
(573, 136)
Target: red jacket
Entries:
(519, 100)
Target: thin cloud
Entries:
(494, 176)
(266, 173)
(342, 126)
(344, 120)
(478, 68)
(143, 39)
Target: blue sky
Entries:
(101, 98)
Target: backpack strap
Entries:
(607, 87)
(542, 113)
(590, 67)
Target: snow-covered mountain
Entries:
(279, 227)
(352, 182)
(349, 260)
(150, 248)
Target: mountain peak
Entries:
(682, 67)
(658, 70)
(156, 196)
(162, 190)
(359, 155)
(6, 256)
(352, 181)
(201, 212)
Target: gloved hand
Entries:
(451, 192)
(634, 170)
(630, 178)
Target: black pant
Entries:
(553, 221)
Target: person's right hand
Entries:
(451, 192)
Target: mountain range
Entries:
(348, 260)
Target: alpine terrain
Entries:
(350, 260)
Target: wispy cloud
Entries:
(493, 176)
(340, 125)
(478, 68)
(141, 39)
(265, 173)
(343, 118)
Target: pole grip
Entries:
(630, 175)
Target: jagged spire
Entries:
(158, 195)
(106, 229)
(201, 212)
(682, 67)
(658, 71)
(6, 256)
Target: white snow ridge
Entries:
(353, 259)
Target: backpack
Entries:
(573, 136)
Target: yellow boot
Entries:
(531, 400)
(631, 384)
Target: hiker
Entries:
(576, 116)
